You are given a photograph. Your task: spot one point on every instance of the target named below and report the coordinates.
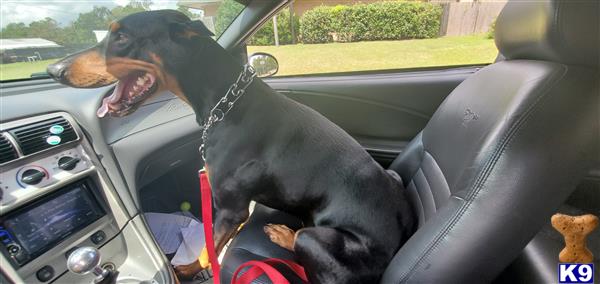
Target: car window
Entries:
(35, 34)
(315, 37)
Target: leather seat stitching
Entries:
(482, 177)
(430, 189)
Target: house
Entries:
(28, 49)
(209, 7)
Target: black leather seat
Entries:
(498, 157)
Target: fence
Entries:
(26, 54)
(465, 18)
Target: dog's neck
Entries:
(210, 74)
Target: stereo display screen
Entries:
(43, 224)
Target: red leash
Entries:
(257, 267)
(206, 200)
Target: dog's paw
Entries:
(281, 235)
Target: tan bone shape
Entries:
(575, 230)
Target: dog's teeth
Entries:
(140, 81)
(136, 87)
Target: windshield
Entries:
(37, 33)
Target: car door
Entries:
(382, 111)
(385, 108)
(380, 92)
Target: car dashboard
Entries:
(70, 180)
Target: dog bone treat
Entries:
(575, 230)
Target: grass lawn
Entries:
(376, 55)
(343, 57)
(23, 69)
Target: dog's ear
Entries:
(188, 30)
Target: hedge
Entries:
(492, 31)
(265, 36)
(368, 22)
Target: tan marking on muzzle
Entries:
(169, 81)
(188, 34)
(89, 70)
(156, 59)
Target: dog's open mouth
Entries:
(128, 95)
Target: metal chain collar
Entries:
(226, 103)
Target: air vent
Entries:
(36, 137)
(7, 150)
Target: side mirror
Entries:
(265, 64)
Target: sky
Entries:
(64, 11)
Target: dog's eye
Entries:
(121, 38)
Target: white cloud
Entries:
(121, 2)
(159, 5)
(64, 11)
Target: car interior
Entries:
(487, 153)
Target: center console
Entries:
(37, 227)
(55, 198)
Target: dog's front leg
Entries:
(227, 222)
(231, 197)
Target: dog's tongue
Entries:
(108, 103)
(103, 110)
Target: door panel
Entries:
(382, 111)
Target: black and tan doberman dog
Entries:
(269, 148)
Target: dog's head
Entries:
(142, 52)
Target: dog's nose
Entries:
(56, 70)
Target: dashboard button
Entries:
(22, 257)
(13, 249)
(45, 273)
(68, 163)
(32, 176)
(98, 237)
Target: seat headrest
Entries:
(565, 31)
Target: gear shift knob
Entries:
(85, 260)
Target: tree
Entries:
(80, 31)
(186, 11)
(47, 28)
(76, 37)
(226, 13)
(97, 19)
(133, 7)
(14, 30)
(140, 4)
(120, 12)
